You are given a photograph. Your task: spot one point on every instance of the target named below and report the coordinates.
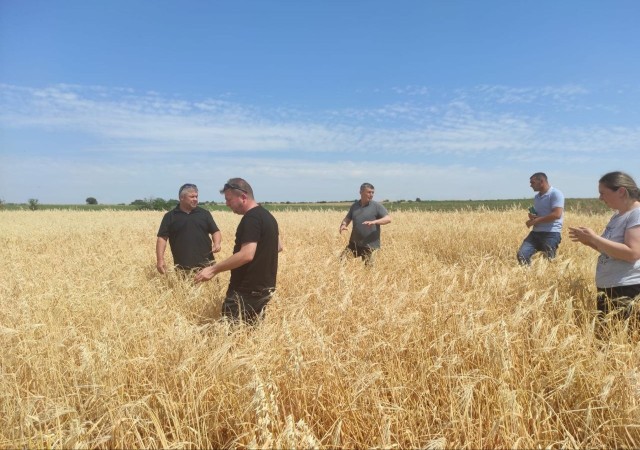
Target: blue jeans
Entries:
(539, 241)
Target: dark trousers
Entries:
(618, 298)
(246, 306)
(359, 251)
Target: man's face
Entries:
(366, 195)
(189, 200)
(536, 184)
(234, 201)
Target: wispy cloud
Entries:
(512, 95)
(411, 90)
(457, 126)
(475, 131)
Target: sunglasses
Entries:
(233, 186)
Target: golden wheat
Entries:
(445, 343)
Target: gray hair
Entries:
(187, 187)
(617, 180)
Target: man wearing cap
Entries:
(188, 228)
(254, 263)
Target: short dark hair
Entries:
(364, 186)
(539, 176)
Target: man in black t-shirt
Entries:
(187, 228)
(254, 263)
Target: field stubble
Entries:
(446, 342)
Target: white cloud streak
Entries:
(469, 138)
(166, 124)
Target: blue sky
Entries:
(123, 100)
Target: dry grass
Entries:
(445, 343)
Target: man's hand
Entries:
(162, 267)
(531, 222)
(205, 274)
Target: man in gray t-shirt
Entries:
(367, 216)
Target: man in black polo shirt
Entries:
(254, 263)
(187, 228)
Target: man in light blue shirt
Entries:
(545, 218)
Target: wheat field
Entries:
(444, 343)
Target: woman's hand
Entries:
(583, 235)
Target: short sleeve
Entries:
(557, 199)
(350, 213)
(251, 229)
(211, 224)
(382, 211)
(163, 231)
(634, 218)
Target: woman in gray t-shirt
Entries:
(618, 268)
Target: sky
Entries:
(439, 100)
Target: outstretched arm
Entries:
(245, 255)
(381, 221)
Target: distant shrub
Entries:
(91, 201)
(154, 204)
(33, 204)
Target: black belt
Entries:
(262, 292)
(256, 292)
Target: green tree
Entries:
(33, 204)
(154, 204)
(139, 203)
(91, 201)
